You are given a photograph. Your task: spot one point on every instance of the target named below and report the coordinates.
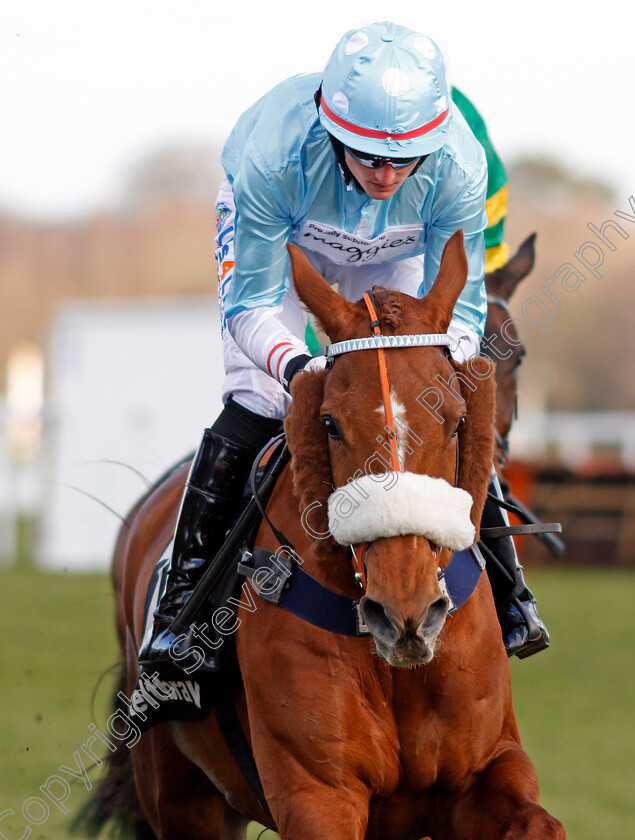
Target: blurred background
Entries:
(113, 119)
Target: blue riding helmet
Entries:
(384, 92)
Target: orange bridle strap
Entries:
(393, 441)
(391, 432)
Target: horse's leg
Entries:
(502, 804)
(177, 797)
(305, 808)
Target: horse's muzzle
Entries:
(404, 642)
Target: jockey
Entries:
(369, 168)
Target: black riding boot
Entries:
(524, 632)
(214, 486)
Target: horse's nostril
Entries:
(377, 620)
(436, 615)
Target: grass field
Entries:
(574, 703)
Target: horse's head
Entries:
(344, 470)
(506, 349)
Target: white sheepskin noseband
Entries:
(394, 504)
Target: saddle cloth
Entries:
(182, 694)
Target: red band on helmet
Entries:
(382, 135)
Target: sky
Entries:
(90, 87)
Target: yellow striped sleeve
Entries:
(496, 257)
(496, 206)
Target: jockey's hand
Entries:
(299, 364)
(465, 343)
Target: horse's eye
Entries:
(458, 426)
(332, 429)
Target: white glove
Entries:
(299, 364)
(316, 363)
(465, 343)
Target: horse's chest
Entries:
(444, 741)
(435, 753)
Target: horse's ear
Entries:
(336, 315)
(476, 436)
(504, 280)
(307, 441)
(439, 303)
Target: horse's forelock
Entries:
(389, 307)
(402, 314)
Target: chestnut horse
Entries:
(409, 734)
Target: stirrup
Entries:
(524, 632)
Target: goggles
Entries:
(376, 162)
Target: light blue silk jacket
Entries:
(288, 187)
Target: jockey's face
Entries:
(379, 183)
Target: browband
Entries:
(373, 342)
